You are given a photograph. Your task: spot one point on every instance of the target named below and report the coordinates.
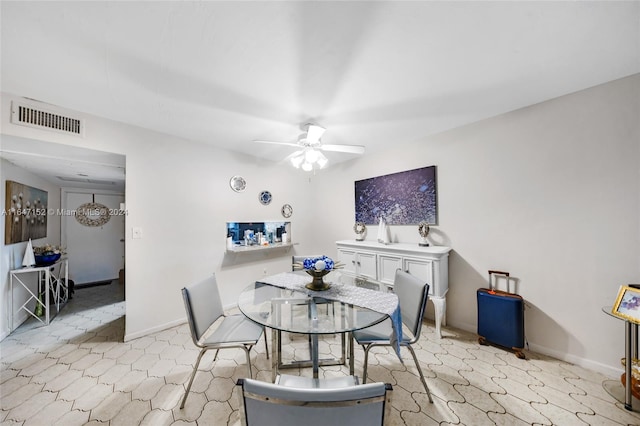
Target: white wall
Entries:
(11, 255)
(550, 193)
(97, 251)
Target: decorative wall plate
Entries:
(238, 183)
(287, 210)
(265, 197)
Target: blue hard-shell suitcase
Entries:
(501, 317)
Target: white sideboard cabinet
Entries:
(368, 262)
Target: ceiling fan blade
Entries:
(279, 143)
(314, 133)
(352, 149)
(293, 154)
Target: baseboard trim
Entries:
(599, 367)
(161, 327)
(165, 326)
(95, 283)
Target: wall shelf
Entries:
(257, 248)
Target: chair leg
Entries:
(246, 350)
(366, 362)
(424, 382)
(266, 346)
(215, 357)
(193, 375)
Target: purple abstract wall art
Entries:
(404, 198)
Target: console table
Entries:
(48, 282)
(372, 264)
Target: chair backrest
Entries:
(412, 295)
(203, 305)
(268, 404)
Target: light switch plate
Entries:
(136, 233)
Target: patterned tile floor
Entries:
(78, 371)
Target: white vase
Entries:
(383, 232)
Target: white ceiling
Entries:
(66, 165)
(373, 73)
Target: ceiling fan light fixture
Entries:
(321, 160)
(297, 161)
(311, 155)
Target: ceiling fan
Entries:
(310, 146)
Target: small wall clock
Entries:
(265, 197)
(287, 210)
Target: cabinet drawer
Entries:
(423, 269)
(348, 259)
(387, 265)
(360, 264)
(367, 265)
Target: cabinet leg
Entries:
(440, 309)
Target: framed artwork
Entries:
(627, 304)
(404, 198)
(25, 213)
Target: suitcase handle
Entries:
(495, 272)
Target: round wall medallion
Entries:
(238, 183)
(265, 197)
(287, 210)
(93, 214)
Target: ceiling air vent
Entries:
(25, 114)
(86, 180)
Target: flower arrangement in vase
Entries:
(47, 254)
(318, 267)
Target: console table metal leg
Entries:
(10, 303)
(47, 285)
(628, 349)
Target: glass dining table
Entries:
(304, 312)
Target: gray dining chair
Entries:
(412, 295)
(272, 404)
(204, 308)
